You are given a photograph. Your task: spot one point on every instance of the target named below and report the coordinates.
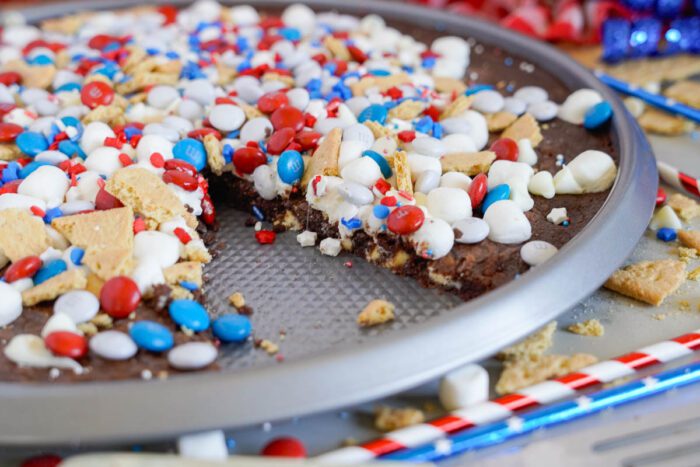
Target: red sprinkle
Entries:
(660, 196)
(96, 93)
(357, 54)
(66, 344)
(120, 296)
(477, 189)
(23, 268)
(389, 201)
(506, 149)
(265, 237)
(284, 447)
(113, 142)
(37, 211)
(157, 160)
(139, 225)
(8, 78)
(10, 187)
(432, 112)
(405, 220)
(182, 235)
(394, 92)
(406, 136)
(246, 159)
(125, 160)
(208, 210)
(382, 186)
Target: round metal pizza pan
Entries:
(329, 362)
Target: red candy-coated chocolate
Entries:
(287, 117)
(6, 107)
(44, 460)
(8, 78)
(506, 149)
(357, 54)
(139, 225)
(660, 196)
(100, 41)
(279, 140)
(307, 139)
(272, 101)
(405, 220)
(96, 93)
(246, 159)
(169, 13)
(120, 296)
(10, 187)
(265, 237)
(184, 180)
(284, 447)
(208, 210)
(477, 190)
(200, 133)
(104, 200)
(23, 268)
(9, 131)
(66, 344)
(180, 166)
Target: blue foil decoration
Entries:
(669, 8)
(616, 33)
(644, 37)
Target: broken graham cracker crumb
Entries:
(525, 127)
(686, 254)
(533, 346)
(215, 156)
(376, 312)
(499, 121)
(457, 107)
(180, 293)
(9, 152)
(337, 48)
(390, 419)
(145, 193)
(190, 271)
(268, 346)
(102, 321)
(690, 238)
(237, 300)
(684, 305)
(407, 110)
(522, 373)
(378, 130)
(591, 327)
(23, 234)
(686, 208)
(325, 158)
(403, 172)
(470, 163)
(648, 281)
(88, 329)
(73, 279)
(661, 123)
(449, 85)
(382, 83)
(694, 274)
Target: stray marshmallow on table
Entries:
(330, 246)
(464, 387)
(209, 445)
(307, 238)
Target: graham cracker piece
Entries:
(407, 110)
(685, 92)
(470, 163)
(180, 293)
(694, 274)
(190, 271)
(145, 80)
(524, 127)
(73, 279)
(591, 327)
(499, 121)
(272, 76)
(687, 208)
(22, 234)
(145, 193)
(33, 76)
(457, 107)
(403, 172)
(109, 114)
(67, 25)
(687, 254)
(195, 252)
(107, 237)
(376, 312)
(522, 373)
(658, 122)
(382, 83)
(9, 152)
(237, 300)
(325, 158)
(690, 238)
(648, 281)
(250, 111)
(533, 346)
(225, 74)
(94, 284)
(657, 69)
(390, 419)
(215, 157)
(136, 55)
(337, 48)
(377, 129)
(449, 85)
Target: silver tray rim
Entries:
(38, 414)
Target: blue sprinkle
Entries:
(11, 172)
(381, 162)
(49, 270)
(508, 61)
(230, 444)
(132, 131)
(227, 153)
(291, 34)
(331, 67)
(234, 134)
(424, 125)
(565, 223)
(172, 55)
(71, 148)
(76, 255)
(313, 84)
(428, 62)
(152, 51)
(407, 69)
(666, 234)
(151, 336)
(352, 224)
(477, 88)
(191, 286)
(244, 65)
(378, 72)
(257, 212)
(241, 43)
(497, 193)
(437, 130)
(380, 211)
(315, 94)
(51, 214)
(112, 47)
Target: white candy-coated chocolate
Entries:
(434, 239)
(536, 252)
(449, 204)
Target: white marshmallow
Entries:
(94, 136)
(542, 184)
(577, 104)
(10, 304)
(517, 176)
(47, 183)
(19, 201)
(507, 223)
(449, 204)
(456, 180)
(165, 249)
(150, 144)
(434, 239)
(29, 350)
(565, 183)
(526, 153)
(665, 217)
(464, 387)
(594, 171)
(104, 161)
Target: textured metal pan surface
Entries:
(314, 299)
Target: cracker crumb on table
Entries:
(525, 372)
(533, 346)
(591, 327)
(237, 300)
(376, 312)
(648, 281)
(390, 419)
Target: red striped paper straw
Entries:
(533, 396)
(678, 179)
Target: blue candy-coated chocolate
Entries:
(373, 113)
(380, 211)
(191, 151)
(232, 328)
(290, 166)
(151, 336)
(477, 88)
(666, 234)
(190, 314)
(31, 143)
(597, 115)
(381, 162)
(498, 193)
(50, 269)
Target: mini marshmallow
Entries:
(517, 176)
(162, 247)
(456, 180)
(150, 144)
(330, 246)
(47, 183)
(10, 304)
(565, 183)
(94, 136)
(419, 164)
(577, 104)
(147, 273)
(434, 239)
(449, 204)
(542, 184)
(104, 161)
(594, 171)
(307, 238)
(526, 153)
(301, 17)
(464, 387)
(363, 171)
(478, 128)
(665, 217)
(507, 223)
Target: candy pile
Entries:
(109, 121)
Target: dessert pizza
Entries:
(439, 158)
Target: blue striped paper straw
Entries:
(657, 100)
(556, 414)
